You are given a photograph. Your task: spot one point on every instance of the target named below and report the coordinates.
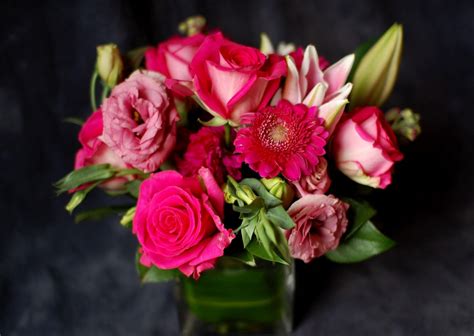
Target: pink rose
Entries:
(140, 121)
(320, 221)
(316, 183)
(365, 148)
(94, 151)
(172, 57)
(231, 79)
(178, 222)
(207, 149)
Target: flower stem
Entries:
(227, 128)
(105, 93)
(93, 82)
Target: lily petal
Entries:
(331, 112)
(292, 90)
(336, 75)
(316, 96)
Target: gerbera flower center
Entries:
(279, 133)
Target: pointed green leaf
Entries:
(280, 217)
(214, 122)
(74, 121)
(100, 213)
(361, 212)
(127, 218)
(84, 175)
(153, 273)
(257, 250)
(366, 243)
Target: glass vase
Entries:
(236, 299)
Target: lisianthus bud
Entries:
(280, 189)
(241, 192)
(377, 71)
(109, 64)
(192, 25)
(405, 123)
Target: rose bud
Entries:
(405, 123)
(377, 71)
(94, 151)
(365, 148)
(280, 189)
(109, 64)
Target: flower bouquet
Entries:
(233, 160)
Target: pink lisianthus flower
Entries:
(178, 222)
(287, 139)
(231, 79)
(172, 57)
(207, 149)
(365, 148)
(317, 182)
(320, 221)
(140, 121)
(94, 151)
(312, 82)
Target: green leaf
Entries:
(257, 250)
(258, 187)
(74, 121)
(214, 122)
(99, 213)
(135, 57)
(132, 171)
(153, 273)
(246, 257)
(280, 217)
(80, 196)
(252, 208)
(133, 187)
(362, 211)
(84, 175)
(366, 243)
(127, 218)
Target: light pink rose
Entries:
(140, 121)
(172, 57)
(94, 151)
(320, 222)
(207, 149)
(365, 148)
(316, 183)
(178, 222)
(231, 79)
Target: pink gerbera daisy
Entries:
(285, 139)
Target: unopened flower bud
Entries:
(377, 71)
(404, 122)
(234, 191)
(109, 64)
(192, 25)
(280, 189)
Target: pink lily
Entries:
(311, 86)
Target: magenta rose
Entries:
(140, 121)
(231, 79)
(94, 151)
(172, 57)
(178, 222)
(365, 148)
(320, 221)
(316, 183)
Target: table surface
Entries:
(58, 278)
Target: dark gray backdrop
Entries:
(58, 278)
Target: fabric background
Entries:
(58, 278)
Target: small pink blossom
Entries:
(140, 121)
(317, 182)
(320, 221)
